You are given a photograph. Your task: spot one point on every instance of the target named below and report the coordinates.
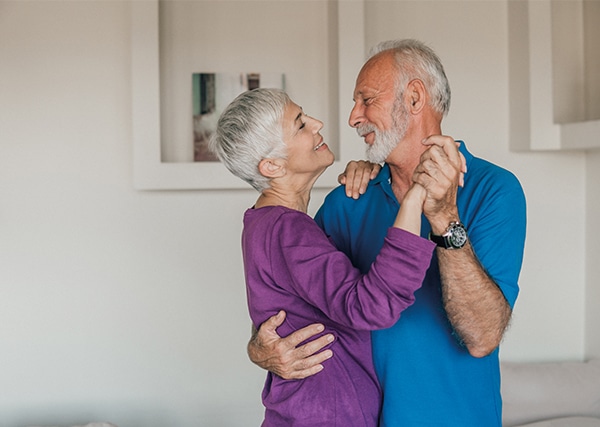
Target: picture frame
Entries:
(150, 172)
(211, 93)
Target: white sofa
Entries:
(103, 424)
(551, 394)
(557, 394)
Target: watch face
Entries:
(458, 236)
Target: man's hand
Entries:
(282, 356)
(357, 175)
(441, 172)
(474, 304)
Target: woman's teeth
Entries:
(319, 146)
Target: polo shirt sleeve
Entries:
(495, 216)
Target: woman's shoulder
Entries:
(274, 214)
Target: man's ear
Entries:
(416, 96)
(272, 168)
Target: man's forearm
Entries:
(475, 305)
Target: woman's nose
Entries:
(318, 124)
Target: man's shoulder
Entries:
(335, 204)
(485, 172)
(338, 207)
(374, 188)
(338, 200)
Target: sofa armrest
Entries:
(541, 391)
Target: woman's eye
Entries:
(302, 125)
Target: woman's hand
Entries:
(357, 175)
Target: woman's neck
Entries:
(290, 199)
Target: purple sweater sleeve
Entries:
(305, 260)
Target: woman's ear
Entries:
(416, 96)
(272, 168)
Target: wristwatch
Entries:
(454, 237)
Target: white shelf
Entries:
(548, 81)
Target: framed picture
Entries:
(211, 93)
(319, 70)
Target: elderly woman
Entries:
(267, 140)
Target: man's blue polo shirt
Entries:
(428, 377)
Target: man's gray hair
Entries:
(415, 60)
(250, 130)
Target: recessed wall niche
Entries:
(172, 40)
(554, 74)
(233, 37)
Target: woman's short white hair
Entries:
(249, 130)
(415, 60)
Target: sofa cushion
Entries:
(541, 391)
(567, 422)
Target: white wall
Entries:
(592, 314)
(129, 306)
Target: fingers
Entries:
(304, 334)
(273, 322)
(446, 143)
(285, 356)
(440, 171)
(463, 170)
(375, 171)
(356, 177)
(443, 158)
(308, 358)
(450, 148)
(435, 172)
(300, 362)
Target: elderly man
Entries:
(438, 365)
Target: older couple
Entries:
(438, 364)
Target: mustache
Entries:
(365, 129)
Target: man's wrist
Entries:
(454, 237)
(440, 224)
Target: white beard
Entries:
(386, 140)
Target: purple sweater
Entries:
(290, 264)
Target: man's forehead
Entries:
(374, 79)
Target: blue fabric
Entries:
(428, 377)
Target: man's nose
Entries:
(356, 116)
